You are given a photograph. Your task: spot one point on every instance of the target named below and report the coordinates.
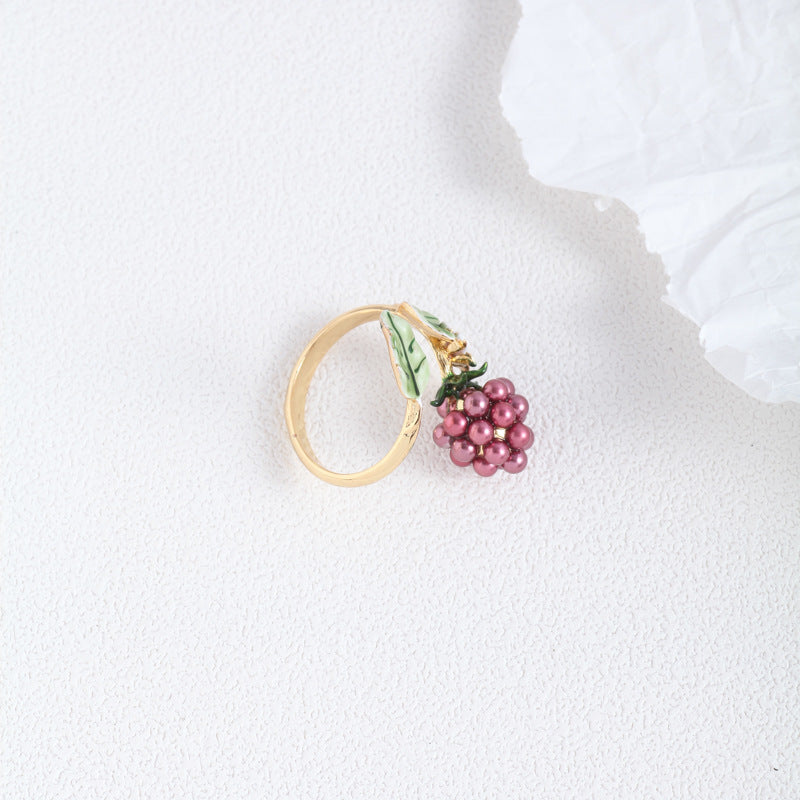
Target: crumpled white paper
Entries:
(689, 112)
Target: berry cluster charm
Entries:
(483, 426)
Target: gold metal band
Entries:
(458, 398)
(295, 406)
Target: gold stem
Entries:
(450, 354)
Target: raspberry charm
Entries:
(483, 425)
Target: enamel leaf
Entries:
(434, 323)
(408, 360)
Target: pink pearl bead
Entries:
(458, 463)
(496, 453)
(455, 424)
(462, 451)
(441, 437)
(503, 414)
(481, 431)
(495, 390)
(520, 406)
(517, 462)
(509, 385)
(444, 409)
(483, 467)
(476, 404)
(519, 436)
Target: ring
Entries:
(482, 426)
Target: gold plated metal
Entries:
(450, 355)
(295, 406)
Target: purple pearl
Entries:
(520, 406)
(496, 453)
(446, 407)
(481, 431)
(458, 463)
(516, 462)
(495, 390)
(476, 404)
(509, 385)
(462, 451)
(519, 436)
(503, 414)
(440, 436)
(483, 467)
(455, 424)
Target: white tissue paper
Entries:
(689, 112)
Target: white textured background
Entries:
(191, 191)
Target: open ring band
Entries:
(481, 425)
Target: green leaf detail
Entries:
(454, 385)
(435, 323)
(411, 365)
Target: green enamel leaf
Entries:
(411, 365)
(435, 323)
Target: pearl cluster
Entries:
(484, 427)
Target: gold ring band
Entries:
(482, 425)
(296, 395)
